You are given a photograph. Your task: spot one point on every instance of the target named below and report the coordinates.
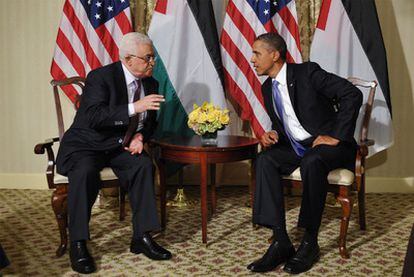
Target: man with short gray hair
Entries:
(117, 115)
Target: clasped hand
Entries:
(136, 145)
(149, 102)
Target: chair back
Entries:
(65, 107)
(367, 108)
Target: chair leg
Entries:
(121, 203)
(361, 205)
(346, 203)
(59, 205)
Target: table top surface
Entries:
(225, 143)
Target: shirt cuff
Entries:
(131, 109)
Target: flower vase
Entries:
(209, 139)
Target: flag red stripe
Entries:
(66, 47)
(242, 63)
(107, 41)
(161, 6)
(123, 22)
(241, 99)
(241, 23)
(290, 23)
(270, 27)
(79, 29)
(323, 15)
(58, 74)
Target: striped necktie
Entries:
(133, 123)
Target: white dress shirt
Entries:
(291, 122)
(131, 87)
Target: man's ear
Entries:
(276, 55)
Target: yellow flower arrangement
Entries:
(207, 118)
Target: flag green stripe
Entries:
(172, 117)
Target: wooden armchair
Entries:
(343, 182)
(59, 183)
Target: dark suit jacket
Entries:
(324, 103)
(101, 122)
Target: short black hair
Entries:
(275, 42)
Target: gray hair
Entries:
(129, 43)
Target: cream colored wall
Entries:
(28, 30)
(397, 163)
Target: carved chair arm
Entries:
(50, 169)
(41, 147)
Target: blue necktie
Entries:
(299, 148)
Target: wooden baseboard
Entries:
(374, 184)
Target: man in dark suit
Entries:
(313, 116)
(117, 115)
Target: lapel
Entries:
(268, 100)
(291, 84)
(120, 83)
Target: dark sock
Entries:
(311, 236)
(280, 235)
(75, 241)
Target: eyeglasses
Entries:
(146, 58)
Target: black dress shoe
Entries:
(274, 256)
(307, 255)
(149, 248)
(80, 259)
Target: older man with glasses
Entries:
(117, 115)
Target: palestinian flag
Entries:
(348, 42)
(189, 68)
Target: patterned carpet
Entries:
(28, 233)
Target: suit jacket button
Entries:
(120, 141)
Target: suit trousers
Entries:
(272, 163)
(135, 174)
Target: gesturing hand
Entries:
(149, 102)
(327, 140)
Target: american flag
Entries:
(244, 21)
(88, 37)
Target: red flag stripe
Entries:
(161, 6)
(66, 47)
(57, 73)
(241, 23)
(242, 63)
(241, 99)
(291, 25)
(79, 29)
(124, 22)
(107, 41)
(323, 14)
